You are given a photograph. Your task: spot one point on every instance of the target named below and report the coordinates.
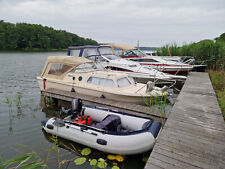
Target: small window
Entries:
(106, 82)
(89, 52)
(123, 82)
(101, 81)
(59, 69)
(75, 52)
(94, 80)
(149, 60)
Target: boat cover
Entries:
(109, 123)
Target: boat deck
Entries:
(194, 133)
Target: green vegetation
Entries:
(32, 37)
(209, 51)
(25, 161)
(218, 82)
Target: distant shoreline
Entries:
(33, 50)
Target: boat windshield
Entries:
(74, 52)
(138, 52)
(85, 67)
(107, 52)
(124, 82)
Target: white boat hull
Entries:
(53, 84)
(133, 143)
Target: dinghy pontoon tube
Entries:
(111, 131)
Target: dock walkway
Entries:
(134, 109)
(194, 133)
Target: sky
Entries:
(151, 22)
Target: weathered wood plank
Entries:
(197, 149)
(194, 133)
(190, 158)
(207, 133)
(169, 162)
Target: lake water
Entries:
(23, 126)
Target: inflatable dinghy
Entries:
(104, 129)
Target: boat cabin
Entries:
(95, 53)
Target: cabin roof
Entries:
(70, 60)
(121, 46)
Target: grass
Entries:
(218, 82)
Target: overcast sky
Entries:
(152, 22)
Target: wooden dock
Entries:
(194, 133)
(129, 108)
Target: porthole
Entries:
(80, 78)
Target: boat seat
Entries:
(110, 123)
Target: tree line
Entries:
(33, 36)
(212, 52)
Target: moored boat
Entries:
(103, 55)
(80, 75)
(157, 62)
(104, 129)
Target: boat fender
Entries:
(44, 83)
(154, 129)
(73, 90)
(49, 126)
(164, 88)
(101, 141)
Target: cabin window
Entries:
(90, 52)
(75, 52)
(117, 68)
(105, 51)
(58, 69)
(149, 60)
(101, 81)
(123, 82)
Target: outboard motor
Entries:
(76, 108)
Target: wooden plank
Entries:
(169, 162)
(153, 166)
(190, 158)
(184, 128)
(194, 142)
(194, 133)
(161, 164)
(197, 149)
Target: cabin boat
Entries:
(157, 62)
(104, 56)
(80, 75)
(104, 129)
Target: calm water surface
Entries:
(18, 79)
